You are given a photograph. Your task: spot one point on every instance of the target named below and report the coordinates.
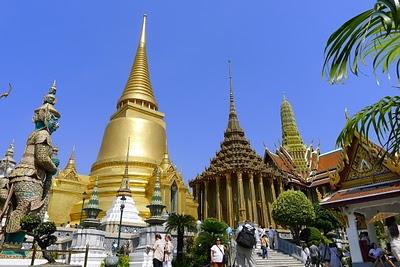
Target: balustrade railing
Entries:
(289, 248)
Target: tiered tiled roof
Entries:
(236, 153)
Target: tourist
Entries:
(114, 248)
(217, 254)
(314, 255)
(376, 254)
(246, 239)
(335, 256)
(394, 236)
(158, 251)
(264, 246)
(168, 251)
(324, 254)
(305, 255)
(68, 225)
(271, 237)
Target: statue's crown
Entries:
(47, 109)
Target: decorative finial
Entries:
(10, 150)
(124, 189)
(231, 99)
(143, 34)
(127, 157)
(284, 96)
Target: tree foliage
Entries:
(383, 117)
(311, 235)
(211, 229)
(374, 33)
(42, 233)
(325, 219)
(293, 210)
(180, 223)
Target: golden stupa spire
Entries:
(138, 87)
(124, 189)
(71, 161)
(233, 122)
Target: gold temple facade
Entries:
(137, 119)
(237, 185)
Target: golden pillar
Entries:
(272, 188)
(280, 185)
(205, 211)
(198, 199)
(242, 205)
(218, 200)
(273, 198)
(253, 198)
(229, 201)
(264, 211)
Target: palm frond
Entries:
(179, 221)
(373, 33)
(383, 117)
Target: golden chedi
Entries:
(137, 118)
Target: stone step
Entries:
(276, 259)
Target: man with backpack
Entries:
(246, 239)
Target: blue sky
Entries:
(88, 47)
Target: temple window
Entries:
(174, 198)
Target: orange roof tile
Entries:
(280, 163)
(328, 161)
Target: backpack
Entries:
(246, 237)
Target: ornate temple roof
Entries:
(235, 153)
(301, 164)
(138, 86)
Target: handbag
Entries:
(224, 257)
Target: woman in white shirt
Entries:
(168, 251)
(217, 254)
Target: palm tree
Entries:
(373, 34)
(180, 223)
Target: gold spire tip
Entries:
(143, 33)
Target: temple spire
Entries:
(156, 206)
(124, 189)
(71, 160)
(94, 197)
(291, 139)
(290, 132)
(233, 122)
(138, 87)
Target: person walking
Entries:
(271, 237)
(394, 236)
(158, 251)
(264, 246)
(335, 256)
(324, 254)
(217, 254)
(246, 240)
(168, 251)
(314, 255)
(305, 255)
